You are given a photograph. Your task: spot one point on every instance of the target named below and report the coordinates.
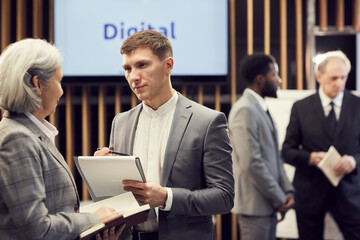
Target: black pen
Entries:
(117, 153)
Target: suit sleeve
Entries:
(292, 151)
(252, 160)
(23, 192)
(218, 195)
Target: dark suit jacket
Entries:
(306, 133)
(197, 167)
(38, 196)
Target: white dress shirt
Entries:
(48, 129)
(325, 102)
(259, 99)
(151, 137)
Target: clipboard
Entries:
(103, 175)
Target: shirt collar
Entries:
(325, 100)
(47, 128)
(163, 109)
(258, 98)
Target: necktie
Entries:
(268, 113)
(331, 119)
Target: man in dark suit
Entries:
(184, 147)
(329, 117)
(262, 188)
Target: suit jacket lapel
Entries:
(130, 132)
(345, 109)
(182, 116)
(47, 143)
(261, 112)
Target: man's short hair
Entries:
(321, 60)
(157, 42)
(254, 65)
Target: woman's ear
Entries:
(37, 84)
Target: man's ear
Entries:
(169, 65)
(260, 80)
(36, 81)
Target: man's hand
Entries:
(316, 157)
(111, 233)
(103, 152)
(286, 206)
(147, 193)
(345, 166)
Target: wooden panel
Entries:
(201, 95)
(117, 100)
(69, 130)
(283, 44)
(218, 216)
(51, 21)
(20, 19)
(86, 134)
(133, 100)
(217, 98)
(37, 18)
(102, 117)
(233, 69)
(299, 45)
(184, 91)
(267, 26)
(340, 15)
(323, 15)
(250, 27)
(5, 23)
(234, 226)
(53, 119)
(356, 15)
(218, 227)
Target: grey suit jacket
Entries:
(38, 196)
(197, 167)
(260, 179)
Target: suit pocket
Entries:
(189, 152)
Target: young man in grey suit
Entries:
(329, 117)
(184, 147)
(262, 188)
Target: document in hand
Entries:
(103, 175)
(125, 204)
(327, 165)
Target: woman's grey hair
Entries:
(19, 63)
(322, 59)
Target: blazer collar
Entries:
(261, 110)
(24, 120)
(182, 116)
(130, 131)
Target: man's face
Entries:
(147, 75)
(334, 77)
(272, 81)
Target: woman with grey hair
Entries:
(38, 195)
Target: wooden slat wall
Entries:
(250, 26)
(86, 133)
(356, 15)
(340, 15)
(267, 26)
(283, 44)
(122, 100)
(299, 44)
(323, 15)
